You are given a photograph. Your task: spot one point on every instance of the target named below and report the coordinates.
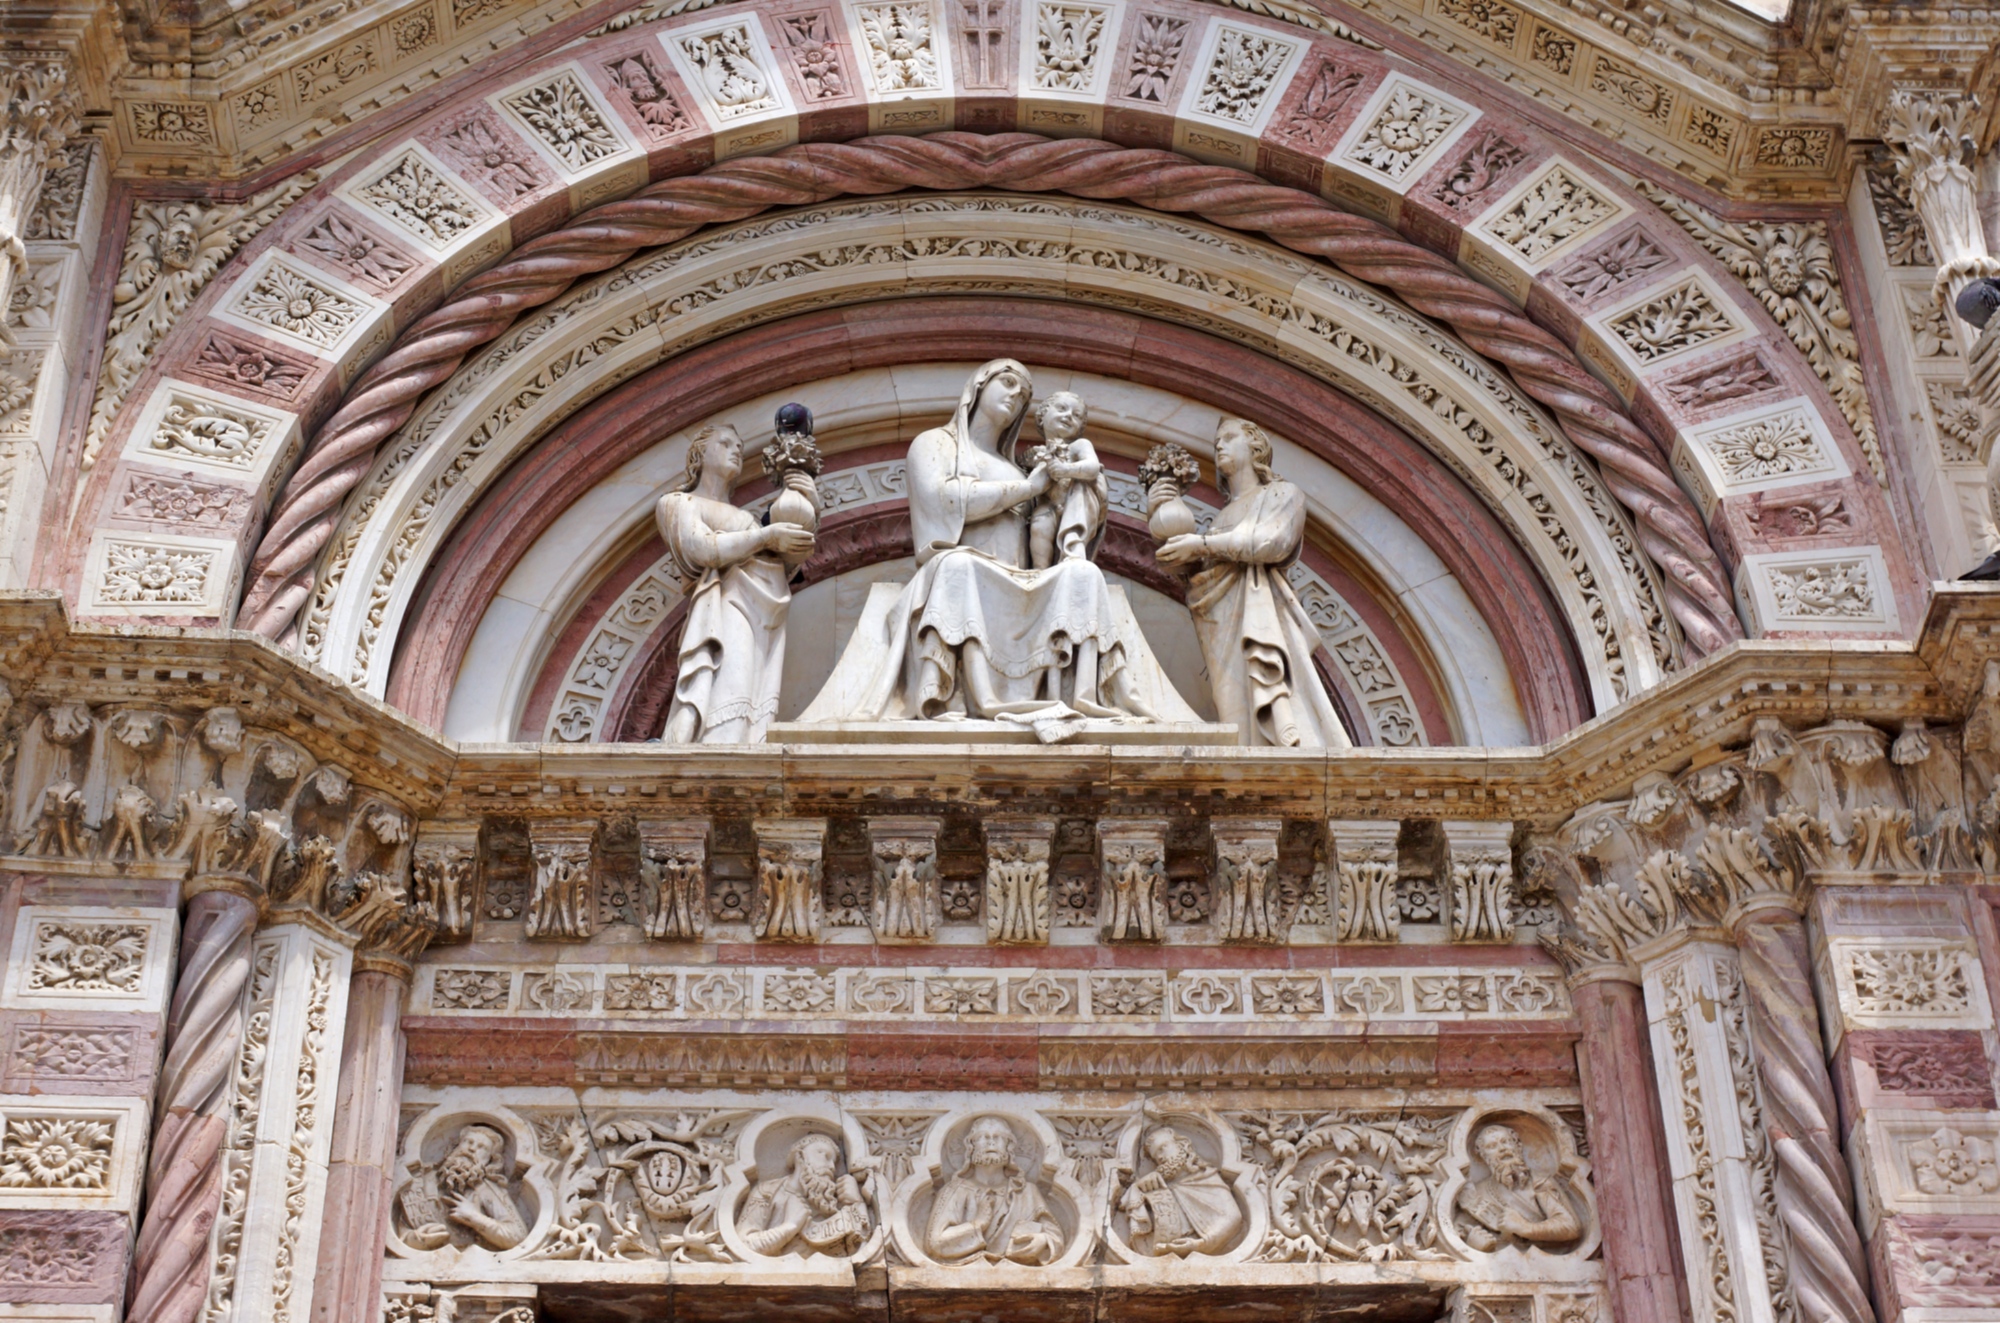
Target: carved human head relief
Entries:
(1001, 397)
(1242, 455)
(1062, 416)
(714, 462)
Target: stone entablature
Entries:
(626, 947)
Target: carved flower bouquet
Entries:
(793, 450)
(1166, 474)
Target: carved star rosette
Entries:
(1555, 1169)
(1039, 1176)
(526, 1171)
(1203, 1213)
(762, 1193)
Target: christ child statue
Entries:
(1069, 521)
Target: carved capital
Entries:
(442, 877)
(1017, 879)
(673, 878)
(563, 905)
(1479, 881)
(1928, 130)
(903, 852)
(1365, 863)
(1131, 898)
(790, 861)
(37, 116)
(1245, 899)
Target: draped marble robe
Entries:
(1255, 637)
(1052, 638)
(732, 652)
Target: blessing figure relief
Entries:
(814, 1208)
(1514, 1204)
(467, 1189)
(989, 1211)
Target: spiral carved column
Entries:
(170, 1267)
(303, 520)
(1829, 1269)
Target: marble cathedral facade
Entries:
(1454, 774)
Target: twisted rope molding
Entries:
(170, 1262)
(1669, 527)
(1829, 1268)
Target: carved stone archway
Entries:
(590, 475)
(504, 401)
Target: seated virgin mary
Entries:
(978, 634)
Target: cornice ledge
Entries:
(1804, 682)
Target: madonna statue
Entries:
(978, 633)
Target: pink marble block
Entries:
(1924, 1068)
(63, 1258)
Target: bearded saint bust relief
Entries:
(466, 1198)
(1519, 1201)
(1180, 1203)
(816, 1207)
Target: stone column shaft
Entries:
(359, 1175)
(1723, 1175)
(264, 1246)
(1628, 1155)
(170, 1262)
(1815, 1189)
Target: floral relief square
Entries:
(96, 959)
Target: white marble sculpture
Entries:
(467, 1189)
(989, 1211)
(1183, 1205)
(1255, 637)
(979, 633)
(1068, 522)
(814, 1208)
(1514, 1204)
(737, 572)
